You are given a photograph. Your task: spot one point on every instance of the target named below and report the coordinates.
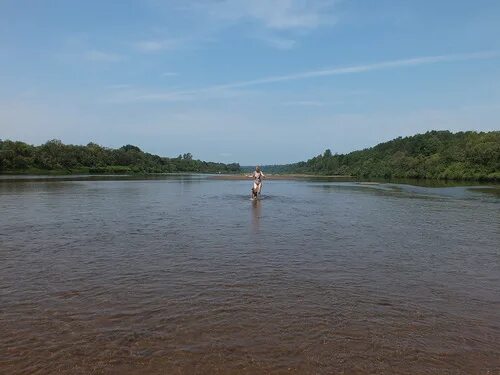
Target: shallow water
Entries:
(186, 275)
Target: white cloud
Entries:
(277, 18)
(158, 45)
(275, 14)
(101, 56)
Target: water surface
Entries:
(186, 275)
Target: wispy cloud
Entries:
(276, 14)
(157, 45)
(119, 86)
(283, 22)
(225, 89)
(138, 95)
(279, 42)
(101, 56)
(392, 64)
(304, 103)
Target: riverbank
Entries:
(291, 176)
(84, 174)
(67, 172)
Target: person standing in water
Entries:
(257, 176)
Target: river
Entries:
(187, 275)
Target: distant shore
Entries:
(83, 172)
(285, 176)
(435, 155)
(212, 176)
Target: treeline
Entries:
(54, 156)
(435, 154)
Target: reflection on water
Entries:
(187, 275)
(256, 214)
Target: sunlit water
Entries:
(186, 275)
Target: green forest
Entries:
(433, 155)
(56, 157)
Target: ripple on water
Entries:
(190, 276)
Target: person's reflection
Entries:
(256, 213)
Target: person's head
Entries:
(257, 168)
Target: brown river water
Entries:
(186, 275)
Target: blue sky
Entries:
(254, 82)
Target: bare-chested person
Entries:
(257, 176)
